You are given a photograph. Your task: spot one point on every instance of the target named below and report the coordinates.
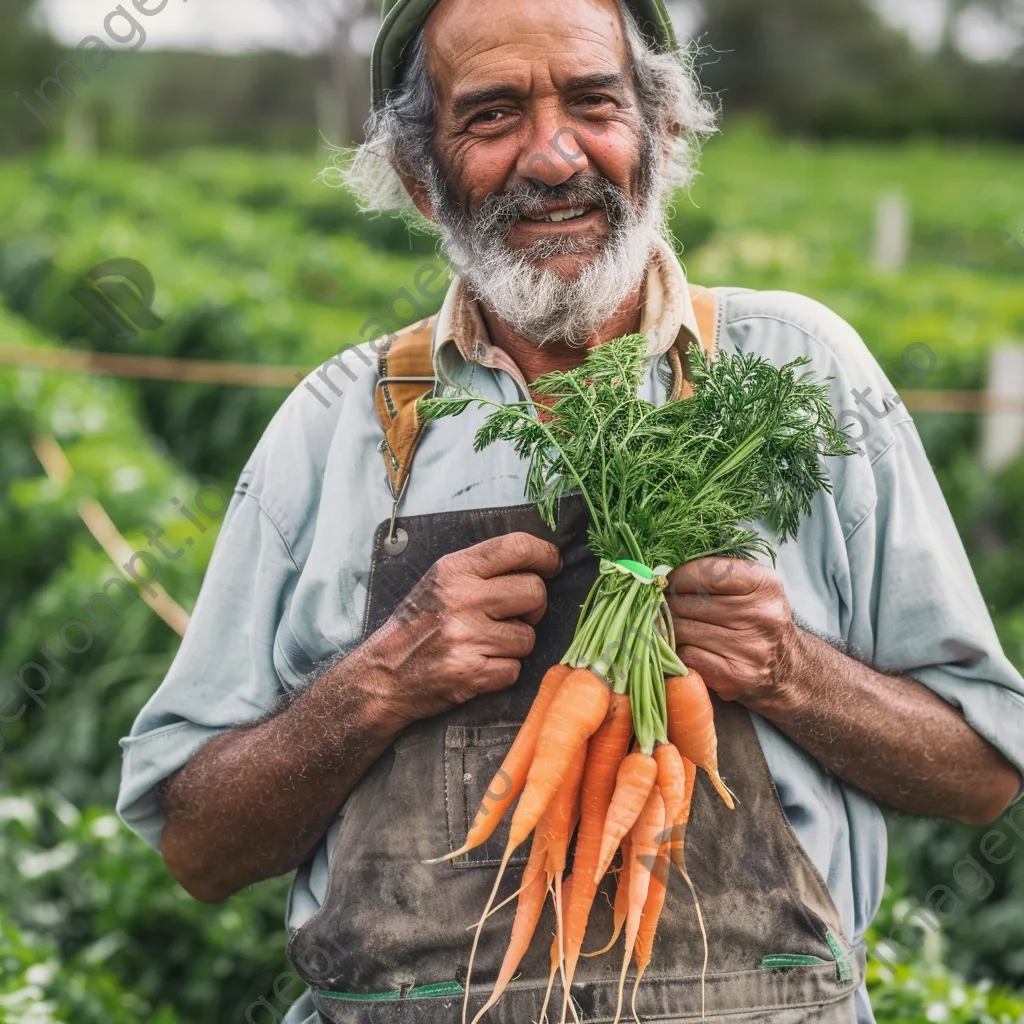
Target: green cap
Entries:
(402, 19)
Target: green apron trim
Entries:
(844, 972)
(776, 960)
(438, 988)
(360, 997)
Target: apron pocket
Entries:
(472, 756)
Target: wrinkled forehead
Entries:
(533, 47)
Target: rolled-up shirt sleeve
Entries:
(915, 605)
(224, 675)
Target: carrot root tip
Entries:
(632, 1002)
(446, 857)
(483, 917)
(723, 790)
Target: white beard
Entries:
(537, 303)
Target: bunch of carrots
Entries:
(610, 748)
(571, 763)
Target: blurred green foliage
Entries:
(26, 56)
(254, 260)
(93, 928)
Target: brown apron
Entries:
(390, 943)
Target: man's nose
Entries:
(553, 153)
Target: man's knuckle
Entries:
(442, 570)
(501, 674)
(714, 573)
(462, 694)
(520, 545)
(464, 672)
(511, 673)
(536, 591)
(527, 639)
(456, 632)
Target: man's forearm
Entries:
(254, 802)
(890, 736)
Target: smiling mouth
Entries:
(557, 216)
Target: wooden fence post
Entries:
(892, 233)
(1002, 436)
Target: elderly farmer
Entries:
(381, 602)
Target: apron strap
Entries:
(405, 373)
(705, 311)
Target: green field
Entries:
(256, 261)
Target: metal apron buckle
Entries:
(397, 540)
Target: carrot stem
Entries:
(623, 636)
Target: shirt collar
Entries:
(461, 336)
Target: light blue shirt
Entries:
(878, 564)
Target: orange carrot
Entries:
(556, 825)
(691, 726)
(633, 783)
(671, 780)
(677, 849)
(683, 815)
(529, 873)
(607, 748)
(646, 837)
(528, 911)
(575, 713)
(508, 781)
(644, 948)
(621, 900)
(566, 897)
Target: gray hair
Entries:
(399, 136)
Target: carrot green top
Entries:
(672, 483)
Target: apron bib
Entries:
(390, 943)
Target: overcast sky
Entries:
(236, 25)
(224, 25)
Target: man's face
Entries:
(537, 118)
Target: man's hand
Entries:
(254, 802)
(733, 625)
(887, 734)
(464, 627)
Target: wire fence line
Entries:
(182, 371)
(268, 375)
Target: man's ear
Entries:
(418, 194)
(669, 137)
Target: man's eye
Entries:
(489, 117)
(594, 100)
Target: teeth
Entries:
(559, 215)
